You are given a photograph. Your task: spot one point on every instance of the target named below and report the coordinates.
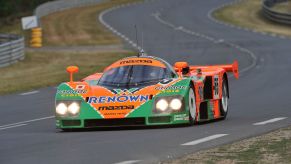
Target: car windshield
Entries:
(134, 75)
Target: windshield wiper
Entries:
(129, 75)
(148, 81)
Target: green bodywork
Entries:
(145, 110)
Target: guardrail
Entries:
(11, 49)
(12, 46)
(275, 16)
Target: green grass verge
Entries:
(49, 69)
(79, 26)
(271, 148)
(284, 7)
(248, 14)
(73, 27)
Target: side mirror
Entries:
(71, 70)
(182, 67)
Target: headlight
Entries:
(61, 109)
(68, 108)
(176, 104)
(168, 104)
(74, 108)
(162, 105)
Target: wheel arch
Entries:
(225, 77)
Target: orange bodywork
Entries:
(199, 72)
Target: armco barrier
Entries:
(284, 18)
(11, 49)
(12, 46)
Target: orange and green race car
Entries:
(144, 91)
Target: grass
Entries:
(248, 14)
(49, 69)
(274, 147)
(284, 7)
(73, 27)
(79, 26)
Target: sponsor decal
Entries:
(125, 107)
(71, 93)
(171, 91)
(181, 117)
(114, 114)
(216, 87)
(119, 99)
(170, 88)
(136, 61)
(125, 91)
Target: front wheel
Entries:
(224, 100)
(192, 105)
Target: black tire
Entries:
(192, 105)
(224, 100)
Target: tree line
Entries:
(13, 9)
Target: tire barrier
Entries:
(268, 12)
(36, 38)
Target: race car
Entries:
(144, 91)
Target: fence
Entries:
(11, 49)
(275, 16)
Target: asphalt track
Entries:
(174, 30)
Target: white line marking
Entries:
(28, 93)
(248, 52)
(101, 19)
(195, 142)
(33, 120)
(270, 121)
(14, 126)
(128, 162)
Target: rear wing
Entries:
(231, 68)
(227, 67)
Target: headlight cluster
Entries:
(68, 108)
(168, 104)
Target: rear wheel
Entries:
(224, 100)
(192, 105)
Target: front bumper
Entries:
(170, 119)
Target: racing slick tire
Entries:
(192, 105)
(224, 100)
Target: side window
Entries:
(171, 73)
